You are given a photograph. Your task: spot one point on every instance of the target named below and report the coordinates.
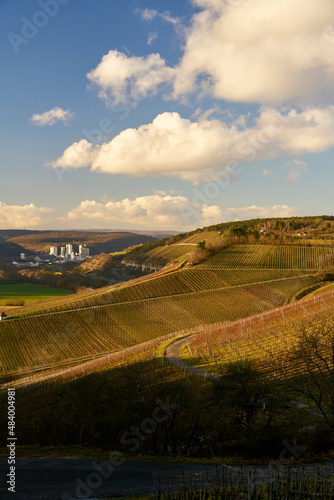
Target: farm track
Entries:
(91, 363)
(173, 356)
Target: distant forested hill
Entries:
(40, 241)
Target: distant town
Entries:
(56, 255)
(67, 252)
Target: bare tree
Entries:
(315, 358)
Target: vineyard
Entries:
(113, 321)
(276, 482)
(176, 251)
(266, 339)
(182, 282)
(271, 257)
(222, 289)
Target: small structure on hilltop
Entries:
(3, 316)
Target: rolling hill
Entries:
(236, 282)
(40, 241)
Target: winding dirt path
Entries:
(173, 356)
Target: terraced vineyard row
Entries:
(242, 277)
(230, 268)
(271, 257)
(269, 339)
(50, 304)
(290, 287)
(185, 281)
(171, 251)
(45, 338)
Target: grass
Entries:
(30, 293)
(330, 286)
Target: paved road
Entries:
(71, 478)
(173, 356)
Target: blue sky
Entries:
(165, 115)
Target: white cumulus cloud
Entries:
(158, 211)
(178, 147)
(121, 78)
(78, 155)
(23, 216)
(51, 117)
(254, 212)
(265, 51)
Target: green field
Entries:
(29, 293)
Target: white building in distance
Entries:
(83, 252)
(54, 251)
(69, 248)
(67, 252)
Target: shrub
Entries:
(15, 302)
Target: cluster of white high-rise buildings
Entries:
(67, 252)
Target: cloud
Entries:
(150, 14)
(121, 78)
(51, 117)
(151, 37)
(254, 212)
(158, 211)
(265, 51)
(267, 173)
(78, 155)
(261, 51)
(190, 150)
(166, 16)
(22, 216)
(297, 167)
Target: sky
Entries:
(164, 115)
